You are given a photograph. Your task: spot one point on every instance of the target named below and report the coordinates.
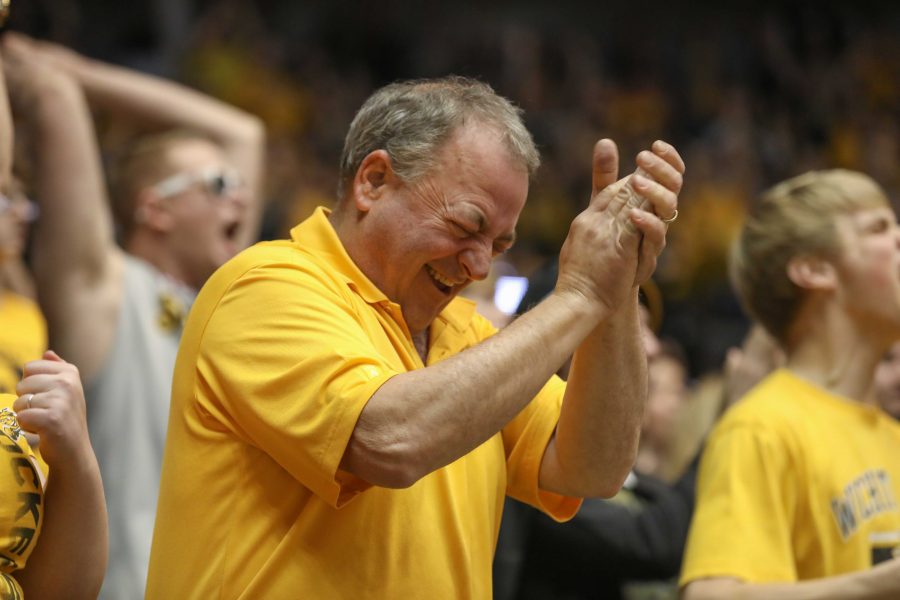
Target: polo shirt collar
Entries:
(316, 235)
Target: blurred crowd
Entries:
(750, 95)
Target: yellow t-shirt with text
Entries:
(283, 348)
(795, 484)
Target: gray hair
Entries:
(411, 120)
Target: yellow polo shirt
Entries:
(283, 348)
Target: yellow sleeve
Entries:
(525, 439)
(743, 517)
(293, 366)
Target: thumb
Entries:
(605, 165)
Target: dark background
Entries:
(750, 94)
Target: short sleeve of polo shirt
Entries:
(288, 363)
(526, 439)
(742, 522)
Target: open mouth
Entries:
(231, 230)
(442, 283)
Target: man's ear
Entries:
(152, 212)
(373, 175)
(812, 273)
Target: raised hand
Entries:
(51, 405)
(613, 244)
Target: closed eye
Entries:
(460, 230)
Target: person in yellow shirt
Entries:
(798, 484)
(343, 425)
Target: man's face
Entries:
(205, 215)
(429, 239)
(887, 382)
(869, 270)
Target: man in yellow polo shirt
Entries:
(344, 426)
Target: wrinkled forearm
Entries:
(422, 420)
(599, 427)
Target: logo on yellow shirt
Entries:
(866, 496)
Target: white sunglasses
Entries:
(218, 182)
(29, 210)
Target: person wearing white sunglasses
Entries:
(179, 210)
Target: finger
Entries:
(660, 170)
(605, 165)
(651, 226)
(35, 384)
(27, 401)
(662, 201)
(667, 152)
(32, 420)
(38, 367)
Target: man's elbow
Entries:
(605, 487)
(596, 484)
(394, 465)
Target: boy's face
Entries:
(887, 382)
(869, 270)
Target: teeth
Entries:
(437, 277)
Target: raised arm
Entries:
(599, 426)
(422, 420)
(162, 103)
(6, 135)
(77, 263)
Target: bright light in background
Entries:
(508, 293)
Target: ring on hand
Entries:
(28, 398)
(672, 218)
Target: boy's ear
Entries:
(812, 273)
(151, 211)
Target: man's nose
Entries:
(476, 261)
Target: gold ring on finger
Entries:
(672, 218)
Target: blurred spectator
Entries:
(53, 531)
(779, 513)
(185, 201)
(887, 382)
